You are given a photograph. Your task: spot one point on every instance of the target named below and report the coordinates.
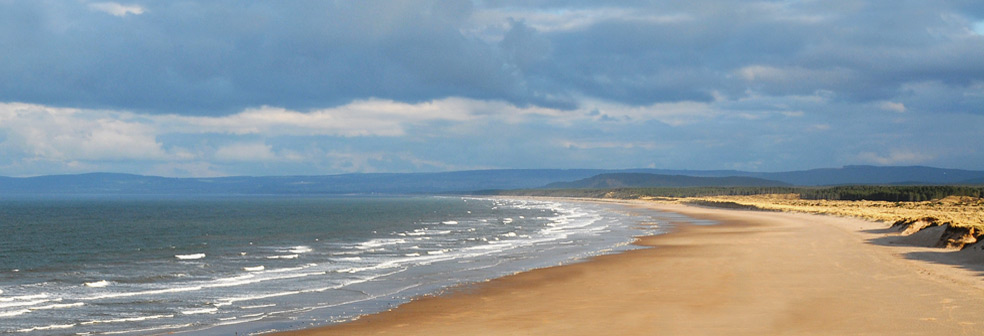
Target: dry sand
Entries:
(756, 273)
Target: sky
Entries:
(221, 88)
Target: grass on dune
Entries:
(957, 211)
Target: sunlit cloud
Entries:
(372, 117)
(64, 134)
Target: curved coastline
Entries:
(757, 273)
(583, 230)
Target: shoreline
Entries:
(754, 273)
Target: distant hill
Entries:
(872, 175)
(858, 174)
(973, 181)
(461, 181)
(642, 180)
(449, 182)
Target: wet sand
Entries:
(755, 273)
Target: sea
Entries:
(223, 265)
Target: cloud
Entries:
(193, 87)
(676, 114)
(459, 133)
(372, 117)
(63, 134)
(894, 157)
(378, 161)
(575, 144)
(217, 58)
(250, 152)
(550, 20)
(892, 106)
(117, 9)
(43, 133)
(795, 80)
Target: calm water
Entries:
(218, 265)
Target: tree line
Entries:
(850, 192)
(891, 193)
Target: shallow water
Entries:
(218, 265)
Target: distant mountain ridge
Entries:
(448, 182)
(642, 180)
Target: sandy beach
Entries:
(754, 273)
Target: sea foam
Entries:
(200, 311)
(194, 256)
(300, 249)
(100, 283)
(50, 327)
(286, 256)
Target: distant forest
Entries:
(852, 193)
(891, 193)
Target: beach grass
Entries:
(956, 211)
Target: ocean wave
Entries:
(23, 297)
(380, 266)
(254, 268)
(147, 292)
(50, 327)
(424, 232)
(380, 242)
(287, 256)
(229, 301)
(14, 313)
(100, 283)
(256, 277)
(450, 222)
(127, 319)
(289, 269)
(300, 249)
(147, 330)
(194, 256)
(58, 306)
(235, 320)
(212, 310)
(21, 303)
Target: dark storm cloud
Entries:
(217, 57)
(190, 57)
